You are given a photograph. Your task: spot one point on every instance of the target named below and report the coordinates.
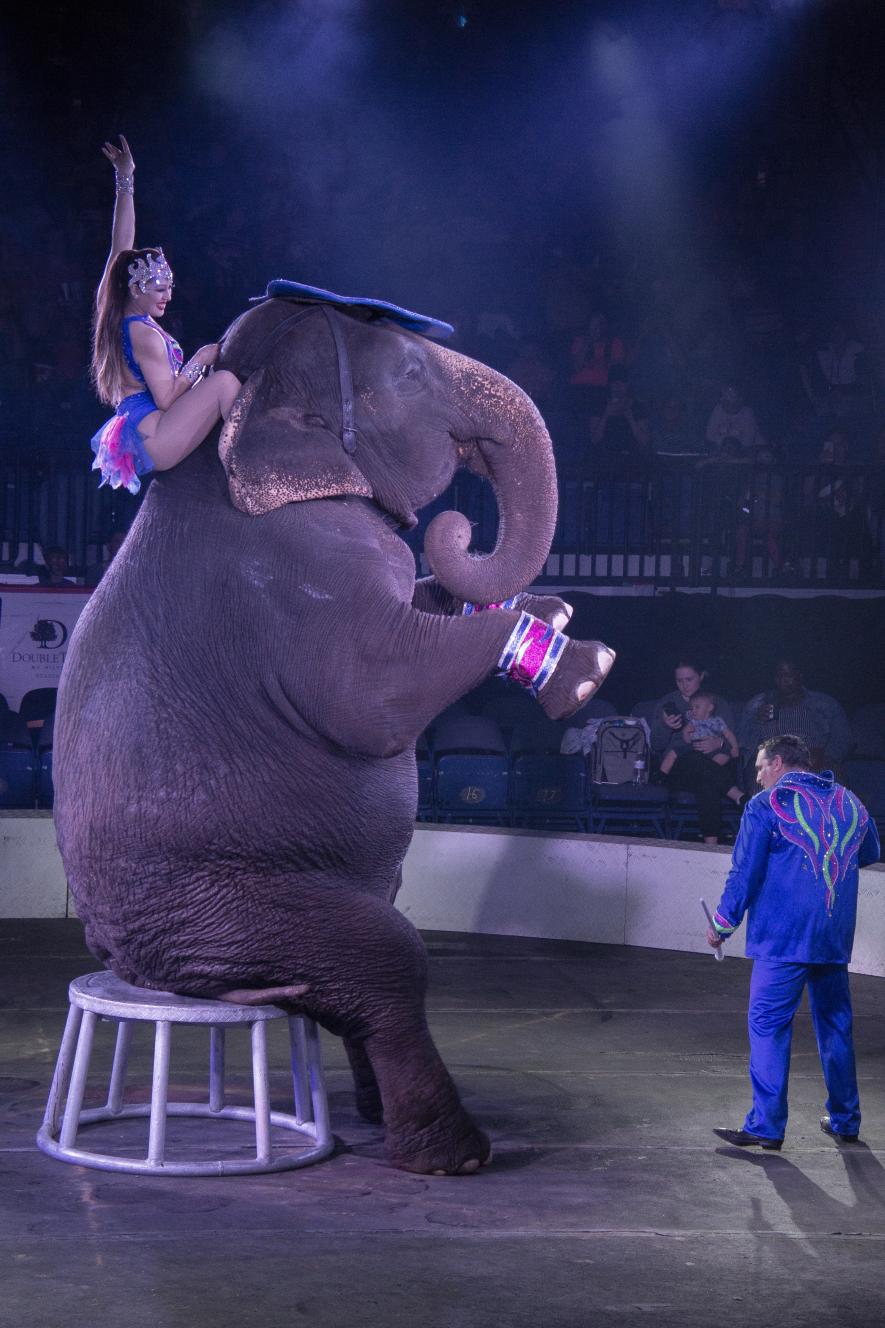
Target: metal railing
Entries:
(678, 522)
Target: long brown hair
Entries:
(108, 369)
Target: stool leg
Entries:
(71, 1121)
(317, 1083)
(120, 1065)
(262, 1093)
(216, 1067)
(298, 1045)
(159, 1094)
(62, 1071)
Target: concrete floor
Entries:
(599, 1071)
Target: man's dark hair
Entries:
(792, 751)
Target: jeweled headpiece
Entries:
(154, 269)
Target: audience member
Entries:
(703, 722)
(837, 358)
(622, 431)
(673, 431)
(53, 571)
(594, 353)
(790, 707)
(694, 772)
(732, 417)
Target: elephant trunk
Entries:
(512, 449)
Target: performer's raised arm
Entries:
(123, 227)
(163, 408)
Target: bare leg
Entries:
(171, 435)
(668, 763)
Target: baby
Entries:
(703, 723)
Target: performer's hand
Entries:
(119, 157)
(206, 355)
(713, 938)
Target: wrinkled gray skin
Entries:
(235, 768)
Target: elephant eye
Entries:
(315, 422)
(412, 374)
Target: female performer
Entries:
(163, 408)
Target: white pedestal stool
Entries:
(102, 996)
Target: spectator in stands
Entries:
(622, 431)
(55, 572)
(760, 513)
(703, 722)
(790, 707)
(96, 571)
(732, 417)
(837, 359)
(594, 353)
(673, 431)
(841, 532)
(694, 772)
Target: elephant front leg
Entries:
(365, 1084)
(366, 968)
(427, 1128)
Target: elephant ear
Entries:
(276, 448)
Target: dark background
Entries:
(713, 164)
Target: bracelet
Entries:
(192, 373)
(125, 183)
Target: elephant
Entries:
(235, 735)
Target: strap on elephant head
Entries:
(345, 377)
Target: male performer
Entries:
(795, 870)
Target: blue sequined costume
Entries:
(119, 448)
(795, 871)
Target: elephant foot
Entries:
(549, 608)
(264, 995)
(580, 673)
(445, 1147)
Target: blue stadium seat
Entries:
(550, 791)
(537, 737)
(18, 773)
(473, 787)
(629, 809)
(464, 732)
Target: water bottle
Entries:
(639, 772)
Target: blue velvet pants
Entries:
(775, 992)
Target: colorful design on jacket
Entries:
(826, 823)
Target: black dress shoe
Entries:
(827, 1126)
(743, 1139)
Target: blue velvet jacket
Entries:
(795, 870)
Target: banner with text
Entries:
(35, 628)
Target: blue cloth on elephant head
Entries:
(296, 290)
